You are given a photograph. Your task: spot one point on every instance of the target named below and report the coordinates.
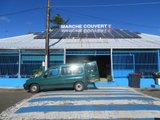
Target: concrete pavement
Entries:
(110, 103)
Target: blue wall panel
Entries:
(12, 82)
(121, 81)
(18, 82)
(122, 73)
(146, 82)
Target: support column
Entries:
(19, 65)
(134, 63)
(47, 36)
(112, 62)
(158, 60)
(64, 57)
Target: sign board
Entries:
(85, 28)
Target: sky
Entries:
(19, 17)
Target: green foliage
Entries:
(58, 20)
(38, 72)
(109, 78)
(53, 27)
(156, 74)
(30, 33)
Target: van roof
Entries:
(67, 65)
(70, 64)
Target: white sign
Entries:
(85, 28)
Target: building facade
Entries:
(117, 52)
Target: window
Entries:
(77, 70)
(72, 70)
(53, 72)
(143, 61)
(66, 71)
(92, 67)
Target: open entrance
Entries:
(103, 61)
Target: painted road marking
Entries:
(101, 107)
(89, 98)
(104, 103)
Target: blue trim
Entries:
(155, 86)
(101, 84)
(87, 54)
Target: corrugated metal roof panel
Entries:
(28, 42)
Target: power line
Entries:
(21, 11)
(93, 17)
(110, 5)
(100, 18)
(84, 6)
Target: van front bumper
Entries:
(26, 86)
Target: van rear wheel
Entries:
(34, 88)
(79, 86)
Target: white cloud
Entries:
(4, 19)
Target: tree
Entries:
(58, 20)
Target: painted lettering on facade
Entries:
(85, 28)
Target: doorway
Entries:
(103, 62)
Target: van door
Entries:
(92, 72)
(72, 74)
(52, 77)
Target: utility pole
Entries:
(47, 36)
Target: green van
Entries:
(76, 76)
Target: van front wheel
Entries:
(34, 88)
(79, 86)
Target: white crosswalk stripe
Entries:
(103, 103)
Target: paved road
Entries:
(110, 103)
(9, 97)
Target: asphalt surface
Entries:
(150, 91)
(9, 97)
(110, 103)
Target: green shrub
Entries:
(38, 72)
(156, 74)
(109, 78)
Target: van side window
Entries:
(66, 71)
(78, 70)
(72, 70)
(53, 72)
